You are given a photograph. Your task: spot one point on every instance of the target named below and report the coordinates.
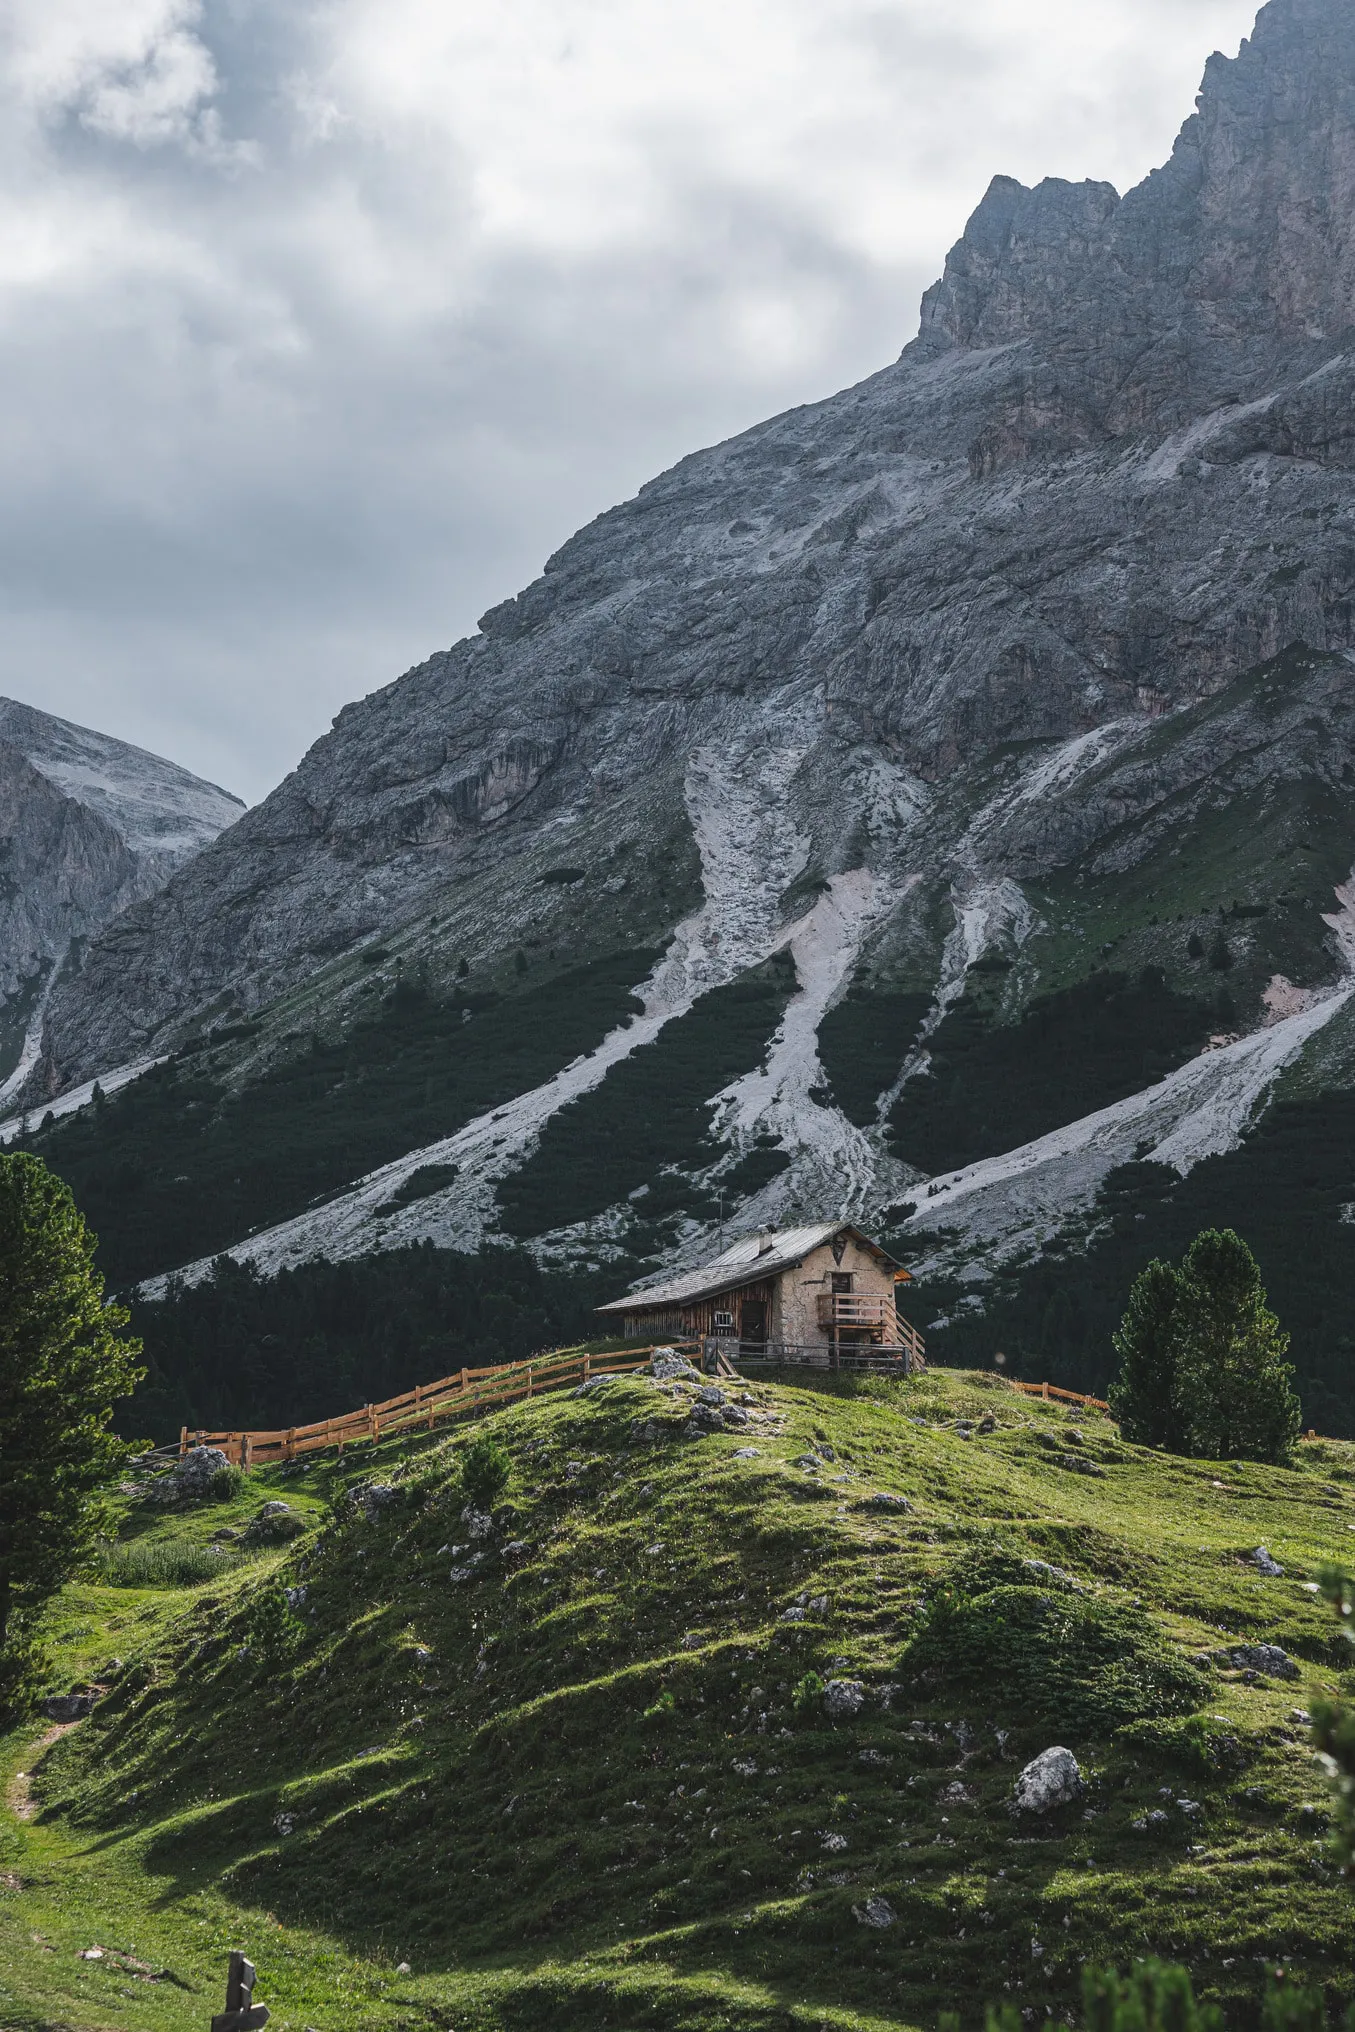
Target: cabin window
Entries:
(724, 1321)
(842, 1280)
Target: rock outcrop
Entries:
(1071, 578)
(88, 825)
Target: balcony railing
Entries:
(845, 1308)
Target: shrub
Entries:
(1034, 1642)
(163, 1562)
(1159, 1997)
(485, 1468)
(276, 1634)
(226, 1484)
(664, 1708)
(1334, 1729)
(807, 1697)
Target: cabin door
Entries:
(753, 1323)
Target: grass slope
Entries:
(570, 1785)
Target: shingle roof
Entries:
(748, 1262)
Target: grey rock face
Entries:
(942, 635)
(87, 826)
(190, 1479)
(1003, 538)
(1049, 1781)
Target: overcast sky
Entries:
(322, 322)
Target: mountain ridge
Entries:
(1009, 687)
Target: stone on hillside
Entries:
(1267, 1658)
(190, 1479)
(479, 1523)
(666, 1365)
(67, 1707)
(274, 1524)
(747, 1453)
(843, 1698)
(1050, 1780)
(794, 1614)
(1262, 1561)
(378, 1496)
(711, 1394)
(835, 1844)
(955, 1794)
(295, 1597)
(876, 1911)
(882, 1500)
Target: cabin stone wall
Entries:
(795, 1310)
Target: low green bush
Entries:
(485, 1468)
(163, 1562)
(1046, 1648)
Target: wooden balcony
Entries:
(856, 1313)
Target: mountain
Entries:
(569, 1773)
(89, 826)
(961, 763)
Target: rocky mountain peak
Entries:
(1240, 248)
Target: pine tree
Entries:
(62, 1366)
(1143, 1395)
(1233, 1384)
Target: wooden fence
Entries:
(1048, 1390)
(421, 1408)
(484, 1389)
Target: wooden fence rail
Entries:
(471, 1390)
(422, 1407)
(1048, 1390)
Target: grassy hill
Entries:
(570, 1784)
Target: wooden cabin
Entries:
(824, 1294)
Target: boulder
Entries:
(378, 1496)
(666, 1365)
(843, 1698)
(876, 1911)
(479, 1523)
(274, 1524)
(1263, 1562)
(1267, 1658)
(882, 1500)
(1050, 1780)
(190, 1479)
(67, 1707)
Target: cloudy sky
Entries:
(322, 322)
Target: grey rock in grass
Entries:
(1262, 1560)
(274, 1524)
(67, 1707)
(1049, 1781)
(882, 1500)
(843, 1698)
(190, 1480)
(378, 1496)
(794, 1614)
(876, 1912)
(1268, 1658)
(479, 1523)
(666, 1365)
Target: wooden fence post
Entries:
(241, 2014)
(183, 1441)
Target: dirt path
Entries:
(19, 1792)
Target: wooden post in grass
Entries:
(183, 1441)
(241, 2014)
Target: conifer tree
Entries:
(1233, 1384)
(1143, 1395)
(62, 1366)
